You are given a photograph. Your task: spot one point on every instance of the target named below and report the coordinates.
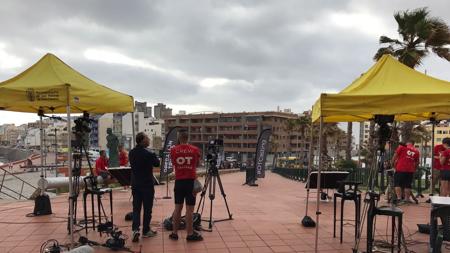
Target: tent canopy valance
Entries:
(389, 87)
(50, 85)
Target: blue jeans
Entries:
(142, 197)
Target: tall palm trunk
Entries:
(348, 150)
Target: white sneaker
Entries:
(136, 235)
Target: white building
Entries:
(33, 138)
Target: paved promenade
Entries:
(266, 219)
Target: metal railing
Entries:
(421, 180)
(14, 190)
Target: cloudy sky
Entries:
(203, 55)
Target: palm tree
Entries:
(419, 34)
(348, 150)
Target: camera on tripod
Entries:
(82, 129)
(384, 131)
(214, 153)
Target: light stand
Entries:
(433, 122)
(307, 221)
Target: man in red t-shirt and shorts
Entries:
(437, 167)
(405, 161)
(185, 159)
(445, 169)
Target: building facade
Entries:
(162, 111)
(240, 131)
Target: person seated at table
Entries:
(101, 166)
(405, 161)
(445, 169)
(123, 160)
(123, 156)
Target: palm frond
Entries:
(382, 51)
(442, 52)
(385, 39)
(439, 33)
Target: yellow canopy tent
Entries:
(387, 88)
(51, 86)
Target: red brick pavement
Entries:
(266, 219)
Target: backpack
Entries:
(197, 222)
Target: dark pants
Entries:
(142, 196)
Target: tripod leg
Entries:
(212, 194)
(222, 191)
(201, 202)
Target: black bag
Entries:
(42, 205)
(129, 216)
(196, 222)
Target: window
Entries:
(439, 139)
(439, 132)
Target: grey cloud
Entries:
(264, 43)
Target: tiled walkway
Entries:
(266, 219)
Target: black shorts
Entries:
(445, 175)
(403, 179)
(183, 190)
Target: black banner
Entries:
(261, 153)
(171, 140)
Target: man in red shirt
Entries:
(405, 161)
(445, 169)
(101, 166)
(185, 159)
(437, 167)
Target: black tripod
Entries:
(212, 177)
(76, 172)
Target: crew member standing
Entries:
(445, 170)
(142, 162)
(405, 160)
(185, 159)
(437, 166)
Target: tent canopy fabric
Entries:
(50, 85)
(388, 88)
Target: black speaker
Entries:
(42, 205)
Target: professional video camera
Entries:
(82, 129)
(214, 154)
(384, 131)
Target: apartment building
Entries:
(240, 132)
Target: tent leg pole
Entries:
(133, 131)
(41, 143)
(311, 140)
(316, 244)
(69, 168)
(432, 159)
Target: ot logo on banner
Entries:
(184, 160)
